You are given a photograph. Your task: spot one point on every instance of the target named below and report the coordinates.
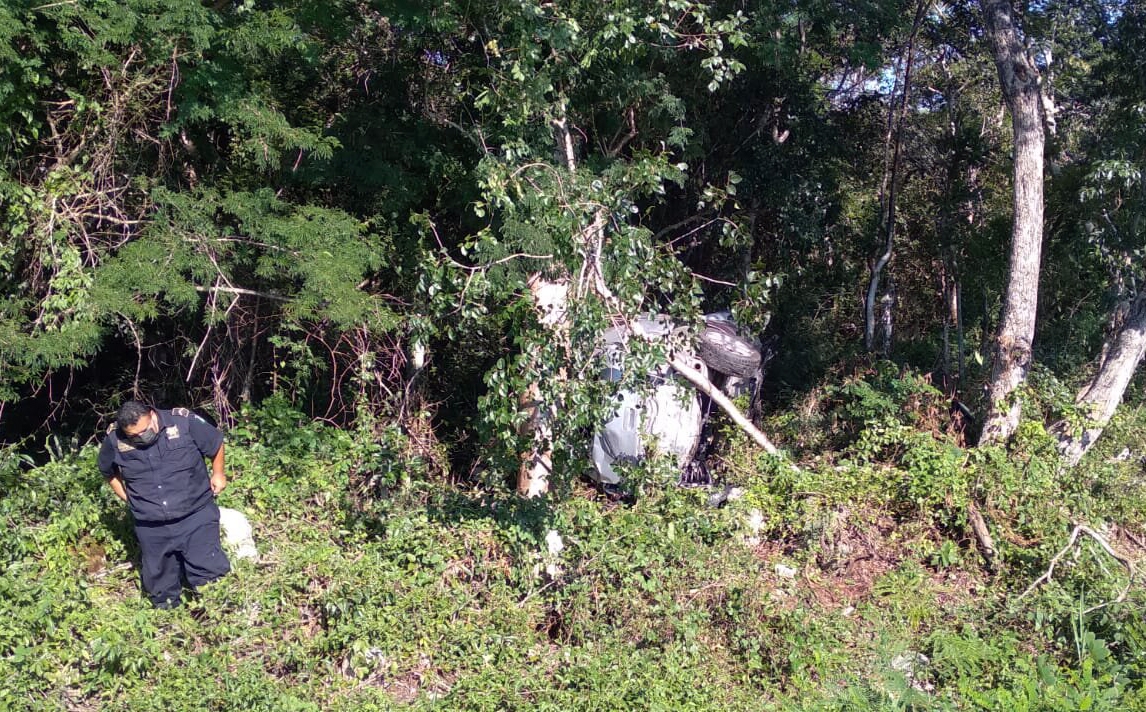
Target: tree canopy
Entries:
(212, 203)
(381, 242)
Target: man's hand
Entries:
(218, 479)
(116, 483)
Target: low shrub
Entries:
(808, 593)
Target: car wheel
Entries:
(723, 350)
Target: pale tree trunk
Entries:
(551, 300)
(952, 319)
(1122, 353)
(952, 288)
(887, 196)
(887, 319)
(1012, 348)
(959, 341)
(949, 265)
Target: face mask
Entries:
(146, 438)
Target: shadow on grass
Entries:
(119, 524)
(517, 518)
(531, 517)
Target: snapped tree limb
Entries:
(705, 386)
(1070, 544)
(982, 533)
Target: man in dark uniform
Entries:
(154, 461)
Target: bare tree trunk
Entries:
(949, 261)
(887, 319)
(947, 320)
(952, 318)
(1012, 348)
(1122, 353)
(550, 299)
(959, 340)
(887, 197)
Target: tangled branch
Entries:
(1080, 529)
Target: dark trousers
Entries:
(186, 548)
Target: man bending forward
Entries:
(154, 461)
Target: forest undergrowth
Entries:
(854, 582)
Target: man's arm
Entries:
(116, 483)
(218, 474)
(105, 461)
(209, 439)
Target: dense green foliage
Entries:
(272, 211)
(406, 595)
(208, 204)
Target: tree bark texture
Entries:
(1122, 354)
(893, 150)
(551, 300)
(1012, 348)
(952, 319)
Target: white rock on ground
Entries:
(554, 543)
(786, 572)
(754, 523)
(236, 534)
(911, 664)
(554, 546)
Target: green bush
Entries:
(425, 596)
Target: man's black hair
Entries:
(130, 413)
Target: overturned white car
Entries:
(669, 415)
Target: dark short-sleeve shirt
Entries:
(167, 480)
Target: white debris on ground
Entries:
(911, 664)
(1121, 457)
(554, 545)
(786, 572)
(754, 522)
(237, 535)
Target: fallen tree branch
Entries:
(982, 533)
(697, 379)
(1070, 544)
(240, 290)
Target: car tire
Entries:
(724, 350)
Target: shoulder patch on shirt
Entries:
(172, 432)
(181, 412)
(111, 429)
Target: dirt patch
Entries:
(310, 622)
(420, 680)
(853, 550)
(1129, 543)
(850, 550)
(956, 587)
(851, 583)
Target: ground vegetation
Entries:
(327, 226)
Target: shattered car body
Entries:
(669, 415)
